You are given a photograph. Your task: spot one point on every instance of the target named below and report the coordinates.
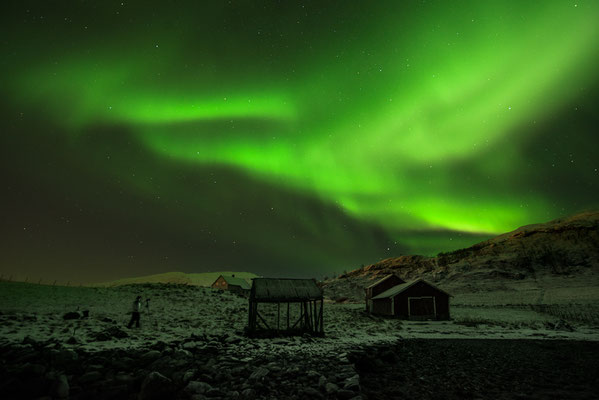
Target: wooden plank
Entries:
(262, 319)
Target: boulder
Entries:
(352, 383)
(197, 387)
(71, 315)
(60, 387)
(331, 388)
(150, 356)
(259, 373)
(155, 387)
(90, 377)
(312, 393)
(110, 333)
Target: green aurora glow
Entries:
(412, 117)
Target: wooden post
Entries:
(250, 316)
(321, 316)
(278, 315)
(305, 315)
(315, 318)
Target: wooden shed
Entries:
(379, 287)
(232, 283)
(417, 300)
(289, 306)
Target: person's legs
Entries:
(131, 320)
(137, 320)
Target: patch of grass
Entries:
(585, 313)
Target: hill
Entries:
(551, 263)
(199, 279)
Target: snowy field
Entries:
(177, 311)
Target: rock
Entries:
(124, 378)
(65, 357)
(71, 315)
(60, 387)
(345, 394)
(194, 387)
(155, 387)
(113, 332)
(312, 393)
(214, 392)
(33, 369)
(188, 376)
(89, 377)
(150, 356)
(322, 381)
(29, 340)
(312, 374)
(181, 353)
(352, 383)
(259, 373)
(190, 345)
(232, 340)
(331, 388)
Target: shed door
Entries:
(421, 306)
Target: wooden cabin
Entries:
(417, 300)
(379, 287)
(285, 306)
(232, 283)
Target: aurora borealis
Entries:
(288, 137)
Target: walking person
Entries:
(135, 313)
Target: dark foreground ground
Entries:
(204, 368)
(481, 369)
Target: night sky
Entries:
(287, 138)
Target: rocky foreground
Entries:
(197, 368)
(207, 368)
(480, 369)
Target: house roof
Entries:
(285, 290)
(395, 290)
(382, 280)
(232, 280)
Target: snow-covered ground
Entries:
(177, 312)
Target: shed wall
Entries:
(421, 289)
(380, 288)
(381, 306)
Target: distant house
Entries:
(232, 283)
(379, 287)
(418, 300)
(302, 310)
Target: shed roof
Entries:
(285, 290)
(383, 280)
(232, 280)
(395, 290)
